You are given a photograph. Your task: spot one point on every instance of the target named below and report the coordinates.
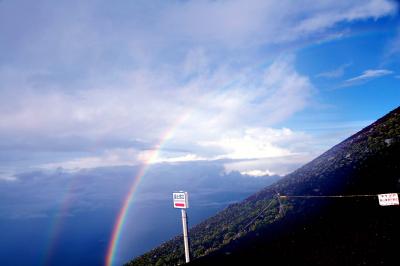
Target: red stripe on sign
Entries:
(179, 204)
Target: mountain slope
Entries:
(321, 231)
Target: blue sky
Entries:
(86, 84)
(254, 87)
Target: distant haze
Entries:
(67, 218)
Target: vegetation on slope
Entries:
(362, 164)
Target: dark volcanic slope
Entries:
(339, 231)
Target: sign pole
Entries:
(181, 201)
(185, 235)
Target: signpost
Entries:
(388, 199)
(181, 201)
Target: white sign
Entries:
(181, 200)
(388, 199)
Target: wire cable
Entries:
(281, 209)
(258, 215)
(324, 196)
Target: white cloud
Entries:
(115, 157)
(255, 143)
(214, 104)
(247, 23)
(248, 146)
(116, 77)
(190, 157)
(277, 165)
(257, 173)
(369, 74)
(336, 73)
(328, 13)
(8, 177)
(93, 39)
(392, 49)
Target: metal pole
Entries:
(185, 235)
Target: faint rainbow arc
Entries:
(57, 224)
(120, 221)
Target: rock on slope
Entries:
(317, 231)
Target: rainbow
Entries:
(121, 218)
(57, 224)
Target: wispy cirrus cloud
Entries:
(368, 75)
(392, 48)
(335, 73)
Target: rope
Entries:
(327, 196)
(279, 197)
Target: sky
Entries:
(255, 87)
(87, 84)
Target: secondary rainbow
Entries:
(120, 221)
(57, 223)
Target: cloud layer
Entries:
(86, 84)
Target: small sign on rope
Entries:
(388, 199)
